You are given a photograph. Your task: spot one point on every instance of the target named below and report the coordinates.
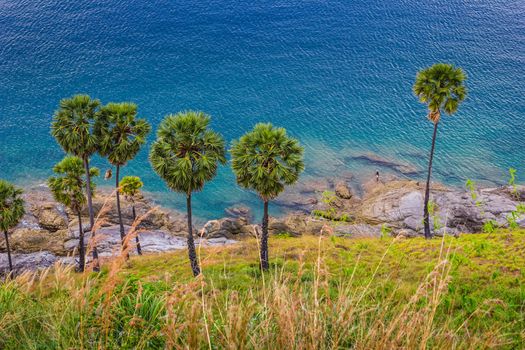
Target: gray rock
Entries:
(228, 227)
(240, 212)
(24, 262)
(400, 204)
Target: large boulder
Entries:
(227, 227)
(342, 190)
(240, 212)
(51, 216)
(26, 240)
(296, 224)
(400, 204)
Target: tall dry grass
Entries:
(312, 309)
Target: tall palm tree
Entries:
(130, 187)
(266, 160)
(121, 134)
(73, 128)
(441, 87)
(186, 155)
(11, 212)
(67, 188)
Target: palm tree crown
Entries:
(187, 153)
(441, 87)
(73, 125)
(266, 160)
(67, 187)
(11, 205)
(120, 133)
(130, 186)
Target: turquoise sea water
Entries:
(336, 74)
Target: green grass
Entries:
(328, 292)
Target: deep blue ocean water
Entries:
(336, 74)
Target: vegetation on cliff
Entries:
(321, 292)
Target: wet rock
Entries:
(342, 190)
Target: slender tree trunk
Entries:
(96, 266)
(426, 221)
(8, 251)
(139, 249)
(265, 265)
(122, 234)
(81, 250)
(191, 243)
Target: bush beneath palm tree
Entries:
(130, 186)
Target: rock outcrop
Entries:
(400, 205)
(49, 232)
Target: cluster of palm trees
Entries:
(187, 153)
(83, 127)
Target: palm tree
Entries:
(266, 160)
(67, 188)
(121, 134)
(186, 155)
(11, 212)
(73, 129)
(130, 187)
(441, 87)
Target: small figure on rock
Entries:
(377, 176)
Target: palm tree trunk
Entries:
(139, 249)
(96, 267)
(191, 244)
(426, 221)
(122, 234)
(81, 252)
(8, 251)
(265, 265)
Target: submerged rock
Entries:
(374, 159)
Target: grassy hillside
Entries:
(466, 292)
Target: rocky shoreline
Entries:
(49, 232)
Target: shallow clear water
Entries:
(336, 74)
